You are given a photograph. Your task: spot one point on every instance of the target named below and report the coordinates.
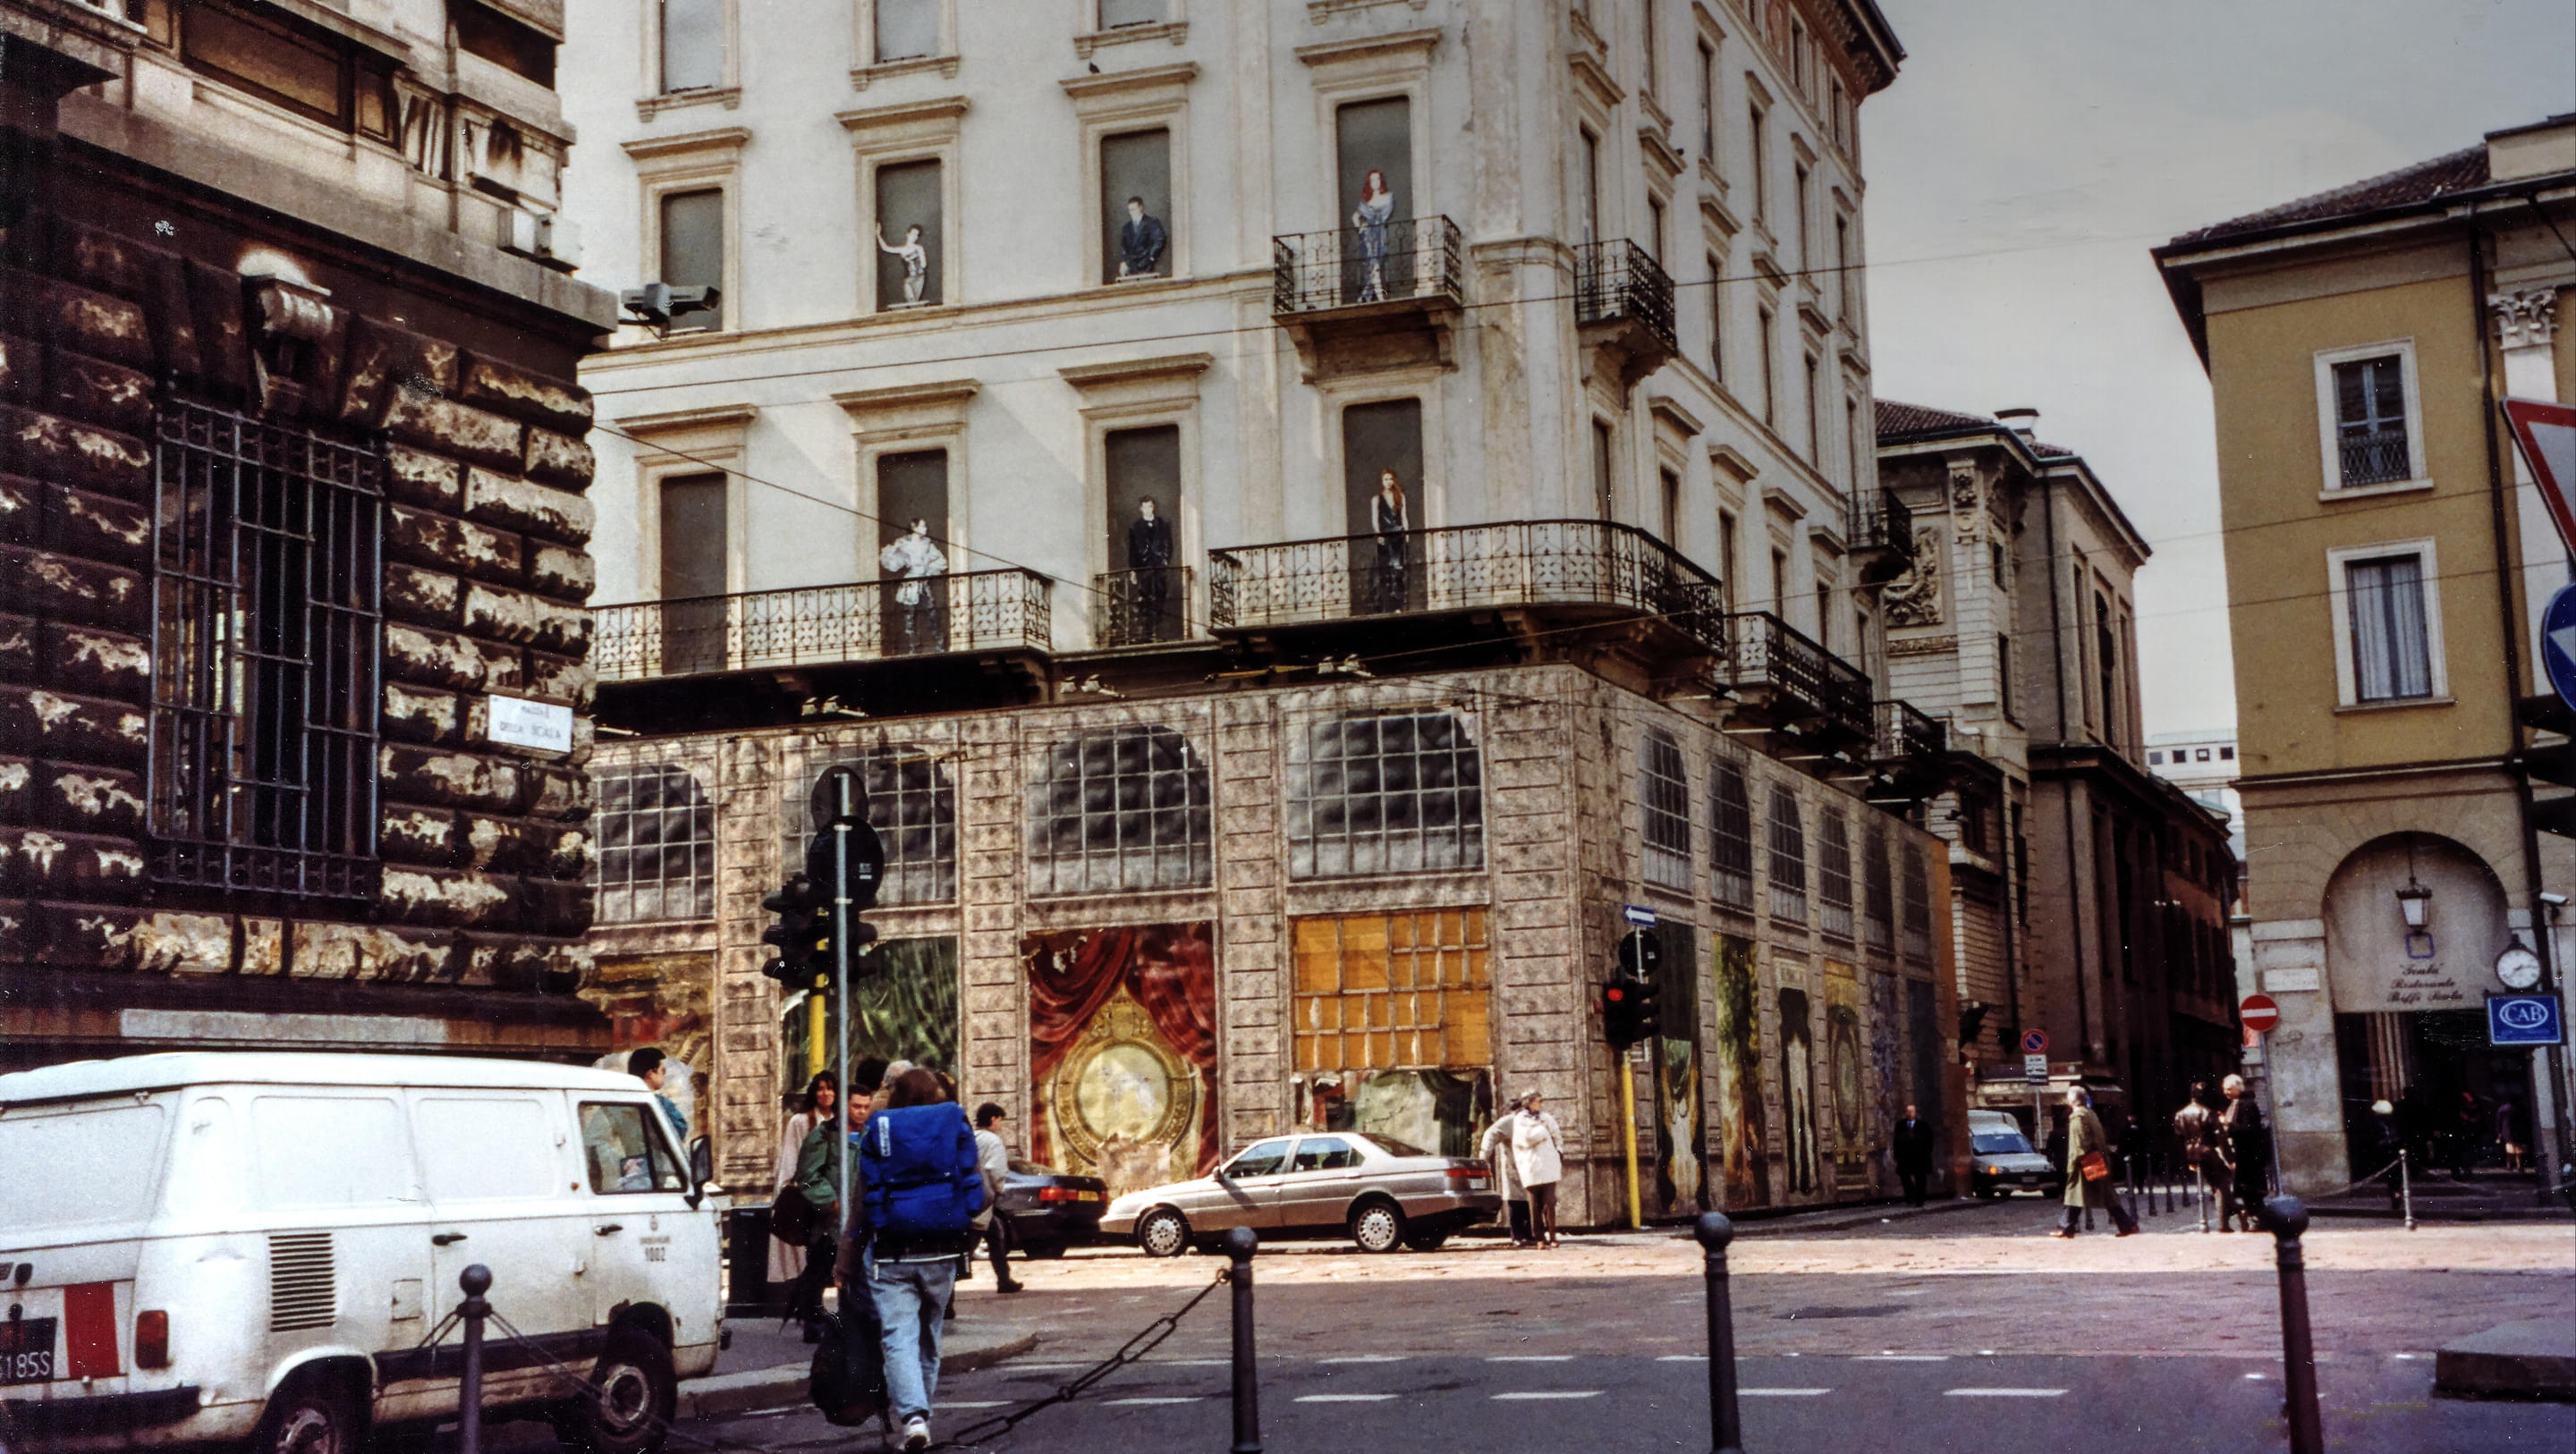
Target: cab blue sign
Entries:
(2524, 1020)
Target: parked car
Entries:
(259, 1247)
(1378, 1191)
(2001, 1161)
(1050, 1211)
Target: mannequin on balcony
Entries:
(913, 560)
(1389, 522)
(1149, 562)
(1376, 209)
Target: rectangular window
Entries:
(1780, 582)
(266, 595)
(692, 528)
(693, 247)
(1878, 891)
(1716, 319)
(1115, 13)
(1757, 132)
(906, 29)
(2370, 422)
(1652, 35)
(1833, 875)
(1804, 201)
(1788, 858)
(1664, 793)
(1995, 565)
(1669, 497)
(1916, 940)
(1815, 414)
(2227, 754)
(286, 65)
(1120, 810)
(1136, 205)
(692, 44)
(624, 1152)
(1655, 227)
(2392, 656)
(1147, 598)
(657, 846)
(1604, 477)
(1373, 794)
(1798, 54)
(1842, 268)
(2106, 665)
(1590, 180)
(912, 803)
(1770, 366)
(2201, 755)
(1392, 991)
(514, 46)
(1377, 440)
(2157, 759)
(1730, 840)
(2004, 675)
(912, 506)
(909, 201)
(1727, 564)
(1708, 102)
(1825, 614)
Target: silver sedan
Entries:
(1379, 1192)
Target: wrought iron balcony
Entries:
(1409, 258)
(1911, 750)
(1141, 607)
(1618, 282)
(1467, 567)
(994, 610)
(1796, 680)
(2373, 457)
(1882, 535)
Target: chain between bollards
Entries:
(1726, 1425)
(1240, 1244)
(2287, 1219)
(476, 1281)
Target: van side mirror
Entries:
(702, 1168)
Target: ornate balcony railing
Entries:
(1406, 258)
(994, 610)
(1514, 563)
(1141, 607)
(1882, 522)
(1910, 746)
(2373, 457)
(1616, 281)
(1803, 678)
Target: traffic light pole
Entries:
(841, 982)
(1628, 1134)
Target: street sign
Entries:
(1641, 918)
(2546, 433)
(2034, 1042)
(2034, 1068)
(2558, 644)
(2524, 1020)
(2259, 1013)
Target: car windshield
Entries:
(2001, 1143)
(1393, 1147)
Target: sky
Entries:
(2032, 151)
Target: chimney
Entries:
(2023, 421)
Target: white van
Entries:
(266, 1247)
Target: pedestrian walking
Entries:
(918, 1190)
(2196, 1127)
(652, 1067)
(2385, 1143)
(788, 1262)
(2088, 1169)
(993, 1157)
(1496, 1149)
(1912, 1147)
(2248, 1148)
(1538, 1159)
(2508, 1140)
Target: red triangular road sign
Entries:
(2545, 431)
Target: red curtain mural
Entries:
(1170, 969)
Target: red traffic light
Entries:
(1613, 994)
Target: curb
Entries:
(2532, 1360)
(761, 1390)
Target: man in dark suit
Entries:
(1913, 1149)
(1149, 557)
(1140, 242)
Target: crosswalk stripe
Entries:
(1150, 1402)
(1365, 1358)
(1529, 1358)
(1551, 1393)
(1344, 1398)
(976, 1403)
(1683, 1358)
(2002, 1392)
(1902, 1358)
(1782, 1392)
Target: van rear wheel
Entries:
(628, 1407)
(310, 1416)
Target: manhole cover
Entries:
(1802, 1314)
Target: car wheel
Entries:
(1043, 1251)
(1425, 1241)
(628, 1407)
(1377, 1226)
(311, 1415)
(1163, 1233)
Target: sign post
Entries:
(2034, 1069)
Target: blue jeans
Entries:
(910, 1297)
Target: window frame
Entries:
(1914, 926)
(653, 96)
(866, 70)
(1878, 889)
(1730, 843)
(2339, 599)
(1786, 863)
(2329, 423)
(1302, 797)
(1435, 960)
(1123, 103)
(1663, 812)
(1834, 873)
(703, 803)
(657, 1144)
(1197, 843)
(699, 161)
(882, 767)
(893, 136)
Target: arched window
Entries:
(1878, 898)
(1917, 941)
(1788, 858)
(1730, 839)
(657, 846)
(1121, 810)
(1833, 874)
(1665, 794)
(912, 803)
(1394, 793)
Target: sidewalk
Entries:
(766, 1368)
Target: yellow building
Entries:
(2387, 561)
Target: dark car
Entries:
(1050, 1211)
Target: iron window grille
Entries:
(1917, 940)
(1878, 909)
(912, 803)
(267, 629)
(1665, 792)
(1730, 846)
(1123, 810)
(1788, 858)
(657, 846)
(1833, 874)
(1399, 793)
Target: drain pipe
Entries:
(2065, 797)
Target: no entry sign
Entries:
(2259, 1014)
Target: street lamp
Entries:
(2415, 902)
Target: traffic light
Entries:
(802, 935)
(1629, 1012)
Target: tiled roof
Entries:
(2421, 182)
(1898, 421)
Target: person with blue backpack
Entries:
(919, 1187)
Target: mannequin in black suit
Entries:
(1149, 557)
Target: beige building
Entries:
(2387, 563)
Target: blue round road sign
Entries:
(2558, 644)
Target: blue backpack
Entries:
(920, 1170)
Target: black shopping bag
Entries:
(848, 1378)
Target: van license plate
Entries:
(27, 1350)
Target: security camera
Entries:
(2555, 901)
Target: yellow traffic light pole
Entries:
(1628, 1135)
(814, 1026)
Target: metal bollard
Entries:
(2287, 1218)
(2406, 1189)
(476, 1280)
(1239, 1245)
(1726, 1424)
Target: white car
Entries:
(1376, 1190)
(266, 1248)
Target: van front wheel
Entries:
(310, 1416)
(628, 1407)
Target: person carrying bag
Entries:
(920, 1186)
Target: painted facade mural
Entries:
(1849, 1094)
(907, 1009)
(1681, 1150)
(1437, 1110)
(1887, 1070)
(1743, 1156)
(1391, 1025)
(1798, 1096)
(1122, 1051)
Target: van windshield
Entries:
(79, 1166)
(2001, 1143)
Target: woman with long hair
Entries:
(787, 1263)
(1388, 521)
(1376, 210)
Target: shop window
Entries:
(1730, 847)
(657, 846)
(1384, 794)
(1788, 858)
(1663, 791)
(1833, 874)
(1392, 991)
(1118, 811)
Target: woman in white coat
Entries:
(1538, 1159)
(787, 1261)
(1496, 1149)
